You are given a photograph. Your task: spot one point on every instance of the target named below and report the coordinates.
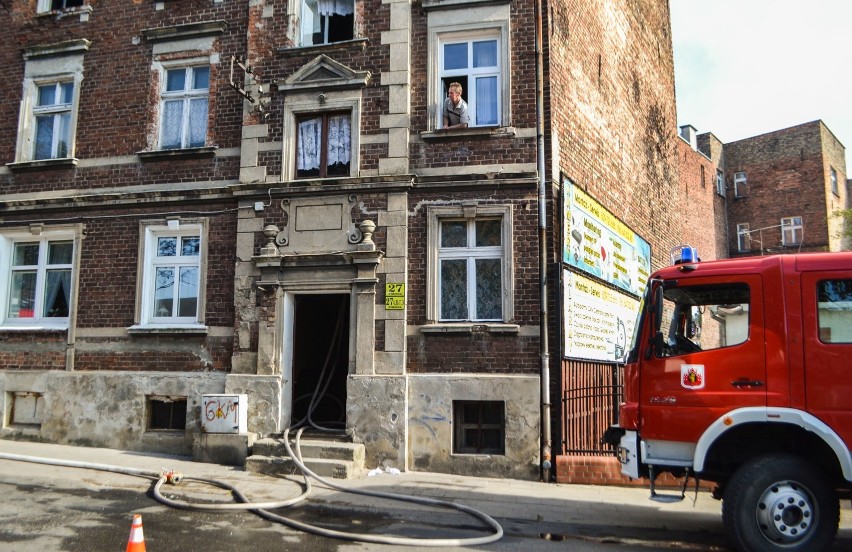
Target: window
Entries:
(791, 231)
(834, 189)
(172, 275)
(323, 145)
(52, 115)
(703, 317)
(473, 63)
(720, 183)
(51, 5)
(743, 237)
(479, 427)
(703, 176)
(326, 21)
(834, 311)
(470, 260)
(740, 184)
(183, 107)
(470, 46)
(470, 264)
(166, 413)
(37, 282)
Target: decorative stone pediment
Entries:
(324, 73)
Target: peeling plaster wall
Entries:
(108, 409)
(430, 445)
(375, 413)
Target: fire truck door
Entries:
(710, 359)
(827, 326)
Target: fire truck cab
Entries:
(740, 373)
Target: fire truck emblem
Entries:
(692, 376)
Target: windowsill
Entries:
(343, 44)
(471, 327)
(470, 133)
(181, 153)
(43, 328)
(451, 4)
(176, 329)
(62, 163)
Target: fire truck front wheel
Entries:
(780, 502)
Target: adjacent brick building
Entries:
(260, 198)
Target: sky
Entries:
(747, 67)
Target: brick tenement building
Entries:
(262, 198)
(783, 188)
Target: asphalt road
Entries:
(48, 508)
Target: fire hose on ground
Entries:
(263, 508)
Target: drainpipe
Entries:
(542, 249)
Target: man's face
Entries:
(454, 95)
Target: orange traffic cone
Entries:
(136, 543)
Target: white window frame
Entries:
(720, 182)
(833, 178)
(150, 231)
(43, 236)
(470, 73)
(437, 214)
(743, 237)
(307, 103)
(791, 228)
(45, 6)
(474, 23)
(43, 71)
(297, 7)
(186, 95)
(740, 184)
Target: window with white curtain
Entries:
(323, 145)
(469, 264)
(326, 21)
(183, 107)
(473, 60)
(37, 271)
(51, 5)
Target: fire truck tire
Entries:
(780, 502)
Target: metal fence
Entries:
(590, 398)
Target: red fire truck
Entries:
(740, 373)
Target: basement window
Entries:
(27, 409)
(479, 427)
(166, 413)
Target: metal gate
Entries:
(590, 398)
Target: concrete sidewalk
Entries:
(505, 499)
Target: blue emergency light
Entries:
(684, 253)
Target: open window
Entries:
(325, 21)
(470, 47)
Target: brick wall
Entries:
(787, 177)
(702, 216)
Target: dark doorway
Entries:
(320, 360)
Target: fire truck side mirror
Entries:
(656, 319)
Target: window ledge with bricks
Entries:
(43, 328)
(183, 153)
(290, 51)
(470, 133)
(471, 327)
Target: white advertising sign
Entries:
(598, 321)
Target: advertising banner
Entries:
(598, 243)
(598, 320)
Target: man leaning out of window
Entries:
(455, 108)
